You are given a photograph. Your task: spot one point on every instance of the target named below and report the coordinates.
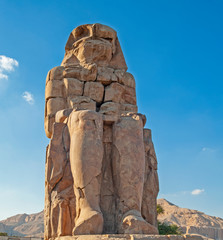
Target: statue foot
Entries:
(133, 223)
(89, 222)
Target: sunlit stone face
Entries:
(93, 50)
(92, 43)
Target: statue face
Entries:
(92, 43)
(93, 50)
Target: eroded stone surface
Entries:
(81, 103)
(55, 104)
(106, 75)
(94, 90)
(85, 72)
(54, 89)
(110, 108)
(151, 182)
(101, 167)
(114, 237)
(133, 237)
(56, 73)
(59, 194)
(119, 93)
(125, 78)
(73, 86)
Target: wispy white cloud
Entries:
(3, 76)
(207, 149)
(197, 191)
(7, 65)
(182, 193)
(174, 194)
(28, 97)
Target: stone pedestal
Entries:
(132, 237)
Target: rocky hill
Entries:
(191, 221)
(24, 225)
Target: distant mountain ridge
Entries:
(190, 221)
(24, 225)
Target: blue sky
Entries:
(173, 48)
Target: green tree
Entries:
(3, 234)
(165, 229)
(159, 209)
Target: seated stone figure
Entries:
(101, 167)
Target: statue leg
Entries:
(128, 172)
(86, 153)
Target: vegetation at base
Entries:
(3, 234)
(159, 209)
(165, 229)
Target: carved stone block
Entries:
(101, 166)
(81, 103)
(106, 75)
(94, 90)
(73, 86)
(55, 89)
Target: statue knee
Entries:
(133, 120)
(86, 120)
(90, 120)
(87, 115)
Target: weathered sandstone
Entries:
(101, 166)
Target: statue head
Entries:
(94, 43)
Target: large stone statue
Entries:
(101, 167)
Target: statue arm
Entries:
(66, 91)
(55, 97)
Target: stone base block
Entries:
(132, 237)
